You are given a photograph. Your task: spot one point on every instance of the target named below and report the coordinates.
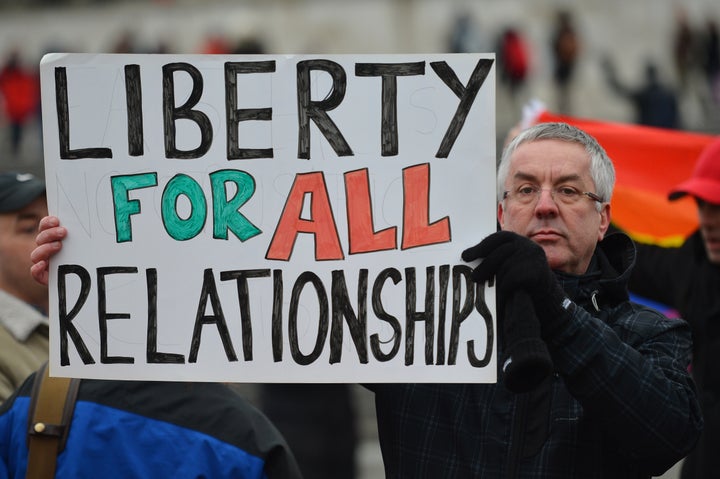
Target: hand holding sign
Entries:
(525, 285)
(520, 264)
(49, 241)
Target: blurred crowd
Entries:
(693, 51)
(656, 93)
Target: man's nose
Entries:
(709, 215)
(545, 203)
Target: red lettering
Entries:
(361, 231)
(417, 231)
(321, 225)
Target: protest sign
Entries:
(270, 218)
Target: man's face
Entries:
(709, 216)
(17, 240)
(567, 232)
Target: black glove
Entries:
(526, 361)
(523, 279)
(519, 264)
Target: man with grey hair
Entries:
(617, 401)
(23, 302)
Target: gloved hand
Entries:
(519, 264)
(524, 283)
(526, 361)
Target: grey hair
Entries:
(602, 170)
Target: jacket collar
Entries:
(605, 282)
(18, 317)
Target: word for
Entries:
(308, 110)
(226, 215)
(336, 313)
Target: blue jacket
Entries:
(128, 429)
(621, 403)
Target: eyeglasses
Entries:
(566, 195)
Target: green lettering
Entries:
(226, 214)
(124, 206)
(178, 227)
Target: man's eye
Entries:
(568, 191)
(526, 190)
(27, 227)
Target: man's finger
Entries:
(487, 245)
(493, 262)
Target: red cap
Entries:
(705, 180)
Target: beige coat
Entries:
(23, 342)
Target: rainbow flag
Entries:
(648, 163)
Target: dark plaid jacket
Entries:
(621, 403)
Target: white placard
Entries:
(270, 218)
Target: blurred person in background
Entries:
(513, 59)
(655, 103)
(684, 48)
(466, 36)
(565, 48)
(710, 57)
(23, 302)
(20, 97)
(687, 278)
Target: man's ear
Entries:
(604, 220)
(500, 215)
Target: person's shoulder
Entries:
(6, 337)
(9, 401)
(647, 322)
(211, 408)
(18, 359)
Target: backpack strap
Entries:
(51, 408)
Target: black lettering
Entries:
(298, 356)
(235, 116)
(133, 100)
(241, 281)
(104, 316)
(317, 110)
(341, 308)
(442, 311)
(389, 74)
(63, 118)
(467, 97)
(461, 309)
(65, 318)
(277, 331)
(209, 290)
(185, 112)
(484, 311)
(151, 354)
(411, 315)
(380, 313)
